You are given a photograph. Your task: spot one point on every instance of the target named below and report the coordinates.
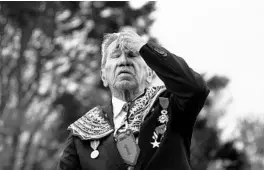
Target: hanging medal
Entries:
(127, 147)
(163, 119)
(155, 143)
(94, 145)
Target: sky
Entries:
(219, 37)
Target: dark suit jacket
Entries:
(186, 91)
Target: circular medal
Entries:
(164, 112)
(94, 154)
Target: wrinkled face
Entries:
(124, 70)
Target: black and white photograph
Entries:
(132, 85)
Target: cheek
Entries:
(109, 72)
(108, 67)
(142, 74)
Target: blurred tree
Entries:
(232, 158)
(50, 57)
(251, 138)
(207, 150)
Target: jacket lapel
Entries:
(145, 137)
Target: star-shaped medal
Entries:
(155, 144)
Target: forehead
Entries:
(113, 46)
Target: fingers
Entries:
(129, 34)
(129, 40)
(127, 44)
(125, 41)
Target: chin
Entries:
(126, 85)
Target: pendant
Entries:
(94, 154)
(127, 147)
(94, 145)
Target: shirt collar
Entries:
(117, 105)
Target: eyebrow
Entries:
(115, 50)
(117, 47)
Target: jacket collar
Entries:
(98, 122)
(92, 125)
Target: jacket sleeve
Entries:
(188, 87)
(69, 159)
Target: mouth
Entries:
(124, 72)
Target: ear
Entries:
(149, 75)
(103, 77)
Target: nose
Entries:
(124, 57)
(125, 60)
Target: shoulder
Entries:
(92, 125)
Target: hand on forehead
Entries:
(126, 39)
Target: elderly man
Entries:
(144, 127)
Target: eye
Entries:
(115, 55)
(131, 54)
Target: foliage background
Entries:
(49, 66)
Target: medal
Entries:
(155, 143)
(127, 147)
(94, 154)
(161, 129)
(164, 102)
(94, 145)
(163, 119)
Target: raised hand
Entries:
(131, 40)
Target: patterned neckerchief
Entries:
(93, 125)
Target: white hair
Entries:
(107, 40)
